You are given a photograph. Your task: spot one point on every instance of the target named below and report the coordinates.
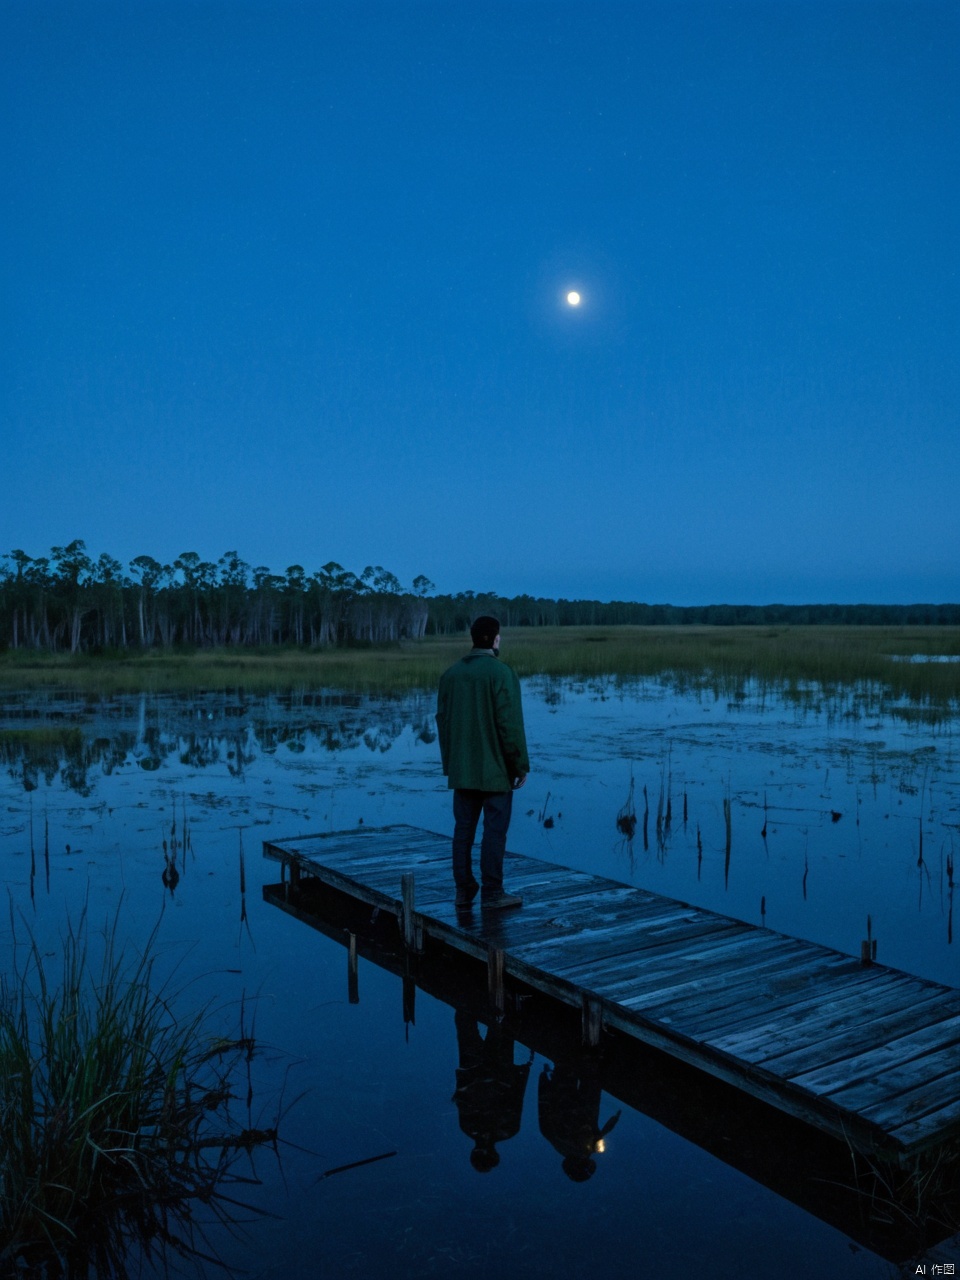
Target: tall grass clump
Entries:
(920, 1195)
(113, 1114)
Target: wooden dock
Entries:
(866, 1053)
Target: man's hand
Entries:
(519, 781)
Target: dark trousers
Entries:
(496, 807)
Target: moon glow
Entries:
(573, 298)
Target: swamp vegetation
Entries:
(115, 1111)
(799, 777)
(920, 663)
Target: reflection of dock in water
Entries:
(865, 1053)
(795, 1160)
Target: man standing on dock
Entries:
(483, 748)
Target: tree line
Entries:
(70, 602)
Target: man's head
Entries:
(579, 1168)
(484, 1156)
(485, 631)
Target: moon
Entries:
(573, 298)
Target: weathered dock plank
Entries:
(915, 1132)
(728, 1004)
(903, 1061)
(638, 983)
(579, 942)
(924, 1097)
(842, 991)
(777, 976)
(854, 1049)
(831, 1037)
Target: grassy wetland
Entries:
(802, 779)
(891, 659)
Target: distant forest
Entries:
(69, 602)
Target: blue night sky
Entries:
(290, 278)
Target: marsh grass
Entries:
(724, 658)
(785, 658)
(114, 1115)
(921, 1195)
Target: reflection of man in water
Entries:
(490, 1089)
(569, 1108)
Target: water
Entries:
(925, 657)
(837, 812)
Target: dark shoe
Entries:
(467, 893)
(500, 901)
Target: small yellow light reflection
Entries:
(601, 1146)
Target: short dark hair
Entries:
(484, 631)
(484, 1158)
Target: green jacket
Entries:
(480, 721)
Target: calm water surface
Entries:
(837, 811)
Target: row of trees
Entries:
(69, 601)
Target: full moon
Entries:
(573, 298)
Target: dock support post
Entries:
(409, 996)
(291, 869)
(868, 947)
(353, 983)
(592, 1020)
(412, 926)
(495, 978)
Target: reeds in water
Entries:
(627, 814)
(921, 1194)
(113, 1114)
(728, 827)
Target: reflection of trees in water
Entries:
(200, 752)
(197, 731)
(426, 733)
(239, 754)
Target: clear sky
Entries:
(290, 279)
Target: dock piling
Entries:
(495, 978)
(409, 998)
(868, 947)
(412, 925)
(592, 1020)
(290, 876)
(353, 983)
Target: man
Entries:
(484, 753)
